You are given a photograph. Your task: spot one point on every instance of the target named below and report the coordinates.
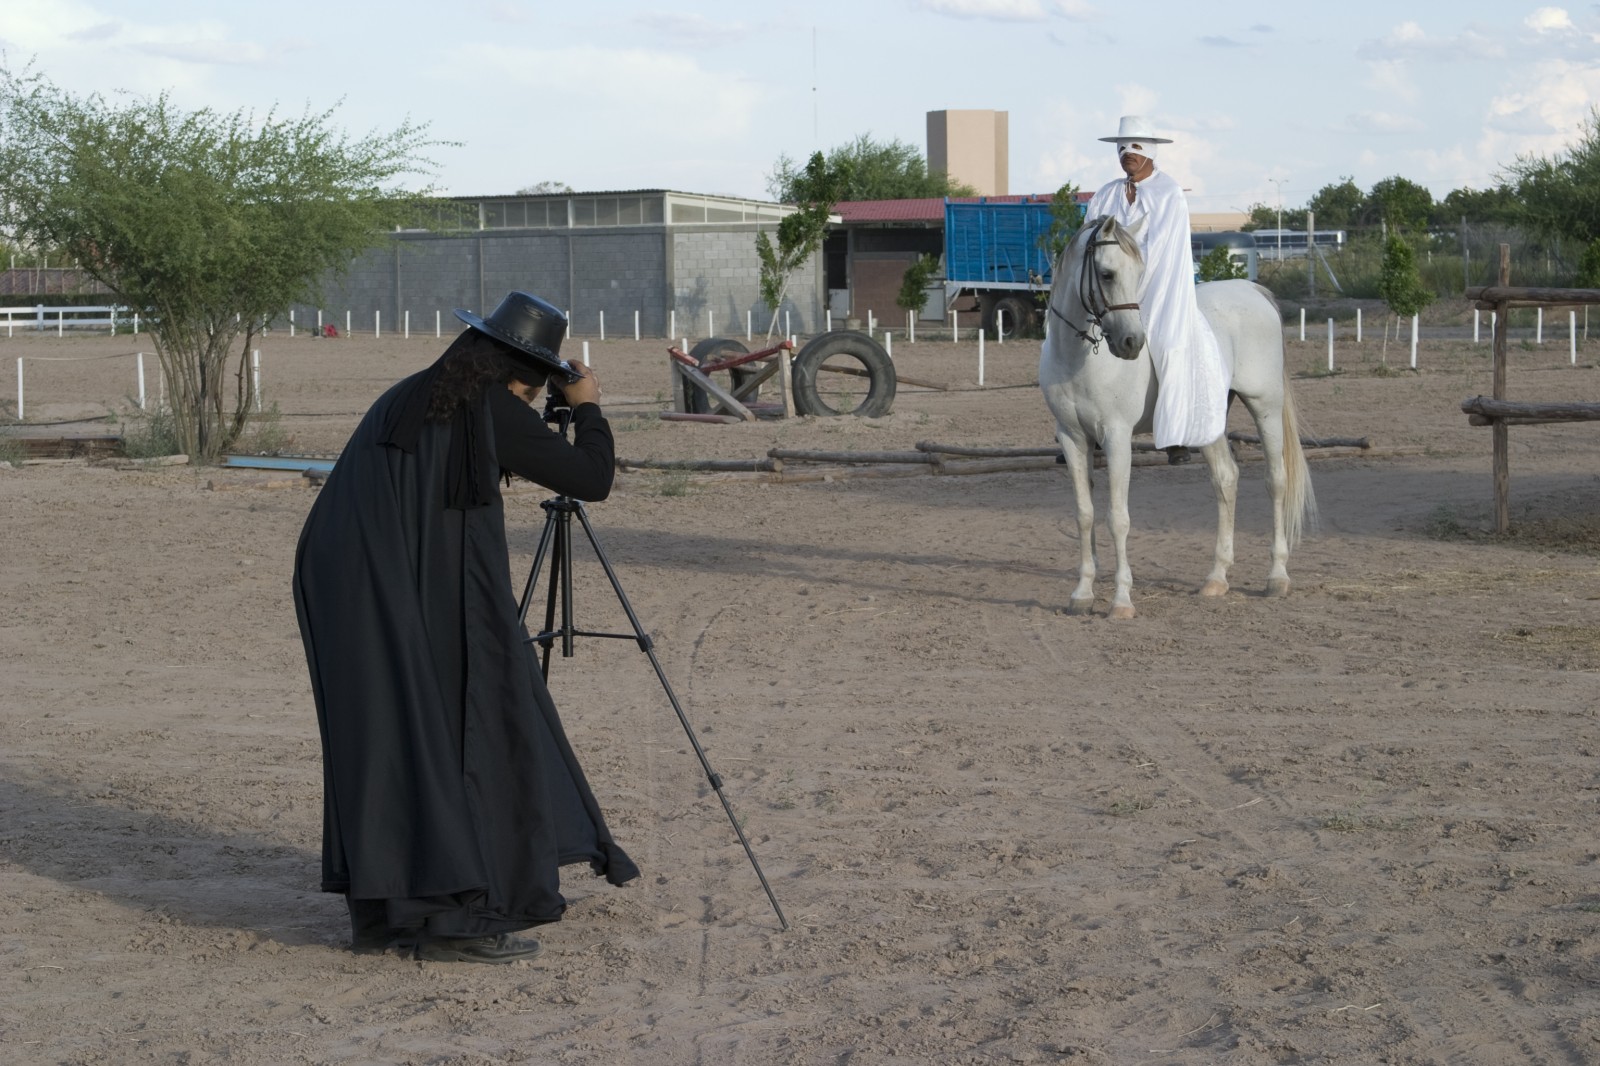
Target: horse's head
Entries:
(1096, 288)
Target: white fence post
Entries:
(1302, 323)
(1475, 314)
(1358, 325)
(672, 324)
(602, 327)
(586, 354)
(955, 325)
(827, 317)
(911, 327)
(255, 374)
(1000, 325)
(139, 362)
(1572, 334)
(19, 389)
(437, 323)
(749, 323)
(407, 330)
(1538, 326)
(1330, 345)
(635, 325)
(786, 328)
(980, 358)
(347, 322)
(888, 343)
(291, 322)
(1413, 342)
(60, 324)
(377, 323)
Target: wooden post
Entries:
(1501, 432)
(786, 383)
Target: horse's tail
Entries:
(1299, 502)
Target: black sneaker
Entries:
(491, 949)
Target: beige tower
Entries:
(973, 147)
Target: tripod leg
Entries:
(648, 647)
(560, 559)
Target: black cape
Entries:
(449, 788)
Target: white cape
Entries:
(1192, 402)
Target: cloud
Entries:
(638, 89)
(1381, 122)
(1409, 41)
(997, 10)
(1392, 78)
(1221, 42)
(207, 51)
(103, 31)
(1262, 27)
(1077, 10)
(1549, 20)
(694, 29)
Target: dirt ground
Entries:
(1356, 825)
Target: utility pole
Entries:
(1311, 250)
(1278, 183)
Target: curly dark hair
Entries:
(472, 363)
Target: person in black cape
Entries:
(451, 796)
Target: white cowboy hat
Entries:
(1136, 128)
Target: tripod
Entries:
(556, 543)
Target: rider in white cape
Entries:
(1192, 405)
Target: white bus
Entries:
(1291, 243)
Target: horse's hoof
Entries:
(1277, 587)
(1214, 588)
(1080, 606)
(1121, 612)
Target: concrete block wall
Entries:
(650, 269)
(717, 269)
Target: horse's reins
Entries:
(1091, 295)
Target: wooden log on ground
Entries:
(1308, 442)
(745, 465)
(1492, 411)
(810, 456)
(684, 416)
(984, 452)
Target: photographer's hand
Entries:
(585, 390)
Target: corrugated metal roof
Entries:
(926, 210)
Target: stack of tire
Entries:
(836, 348)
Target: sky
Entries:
(1266, 102)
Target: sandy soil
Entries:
(1356, 825)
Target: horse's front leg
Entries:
(1119, 465)
(1225, 483)
(1079, 456)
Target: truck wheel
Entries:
(1020, 314)
(714, 349)
(834, 366)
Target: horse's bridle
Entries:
(1091, 294)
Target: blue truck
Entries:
(996, 261)
(996, 254)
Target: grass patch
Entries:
(12, 450)
(150, 436)
(1129, 806)
(1443, 523)
(674, 483)
(266, 435)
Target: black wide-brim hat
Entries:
(531, 327)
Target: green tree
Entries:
(1497, 205)
(544, 188)
(1400, 283)
(1402, 203)
(1218, 265)
(1337, 205)
(207, 223)
(914, 284)
(1265, 216)
(1589, 267)
(800, 234)
(872, 170)
(1066, 216)
(1560, 194)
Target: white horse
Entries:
(1099, 382)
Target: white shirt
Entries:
(1192, 403)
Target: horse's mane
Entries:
(1109, 228)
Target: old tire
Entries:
(711, 350)
(841, 348)
(1020, 315)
